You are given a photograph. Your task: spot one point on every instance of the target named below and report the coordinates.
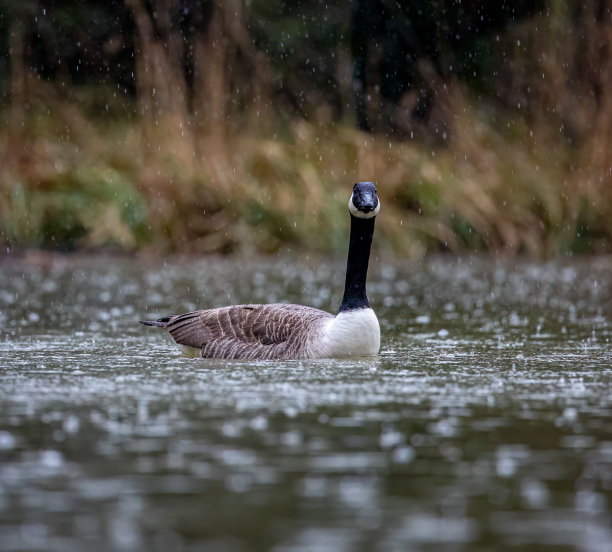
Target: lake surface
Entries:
(484, 424)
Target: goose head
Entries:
(364, 202)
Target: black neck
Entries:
(355, 296)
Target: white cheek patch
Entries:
(359, 214)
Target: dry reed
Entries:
(221, 177)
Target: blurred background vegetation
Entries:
(241, 125)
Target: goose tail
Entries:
(160, 322)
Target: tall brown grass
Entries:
(194, 171)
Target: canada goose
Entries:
(285, 331)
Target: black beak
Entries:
(366, 201)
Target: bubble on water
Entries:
(534, 493)
(403, 454)
(357, 490)
(443, 427)
(505, 466)
(589, 501)
(570, 414)
(33, 317)
(7, 440)
(71, 424)
(125, 533)
(231, 429)
(7, 297)
(291, 438)
(49, 286)
(237, 457)
(390, 438)
(105, 316)
(259, 423)
(51, 459)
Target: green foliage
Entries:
(86, 206)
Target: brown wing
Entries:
(247, 331)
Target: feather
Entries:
(274, 331)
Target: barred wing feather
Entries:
(248, 331)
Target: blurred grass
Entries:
(70, 181)
(521, 167)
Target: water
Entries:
(484, 424)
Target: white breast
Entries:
(350, 333)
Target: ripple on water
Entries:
(483, 423)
